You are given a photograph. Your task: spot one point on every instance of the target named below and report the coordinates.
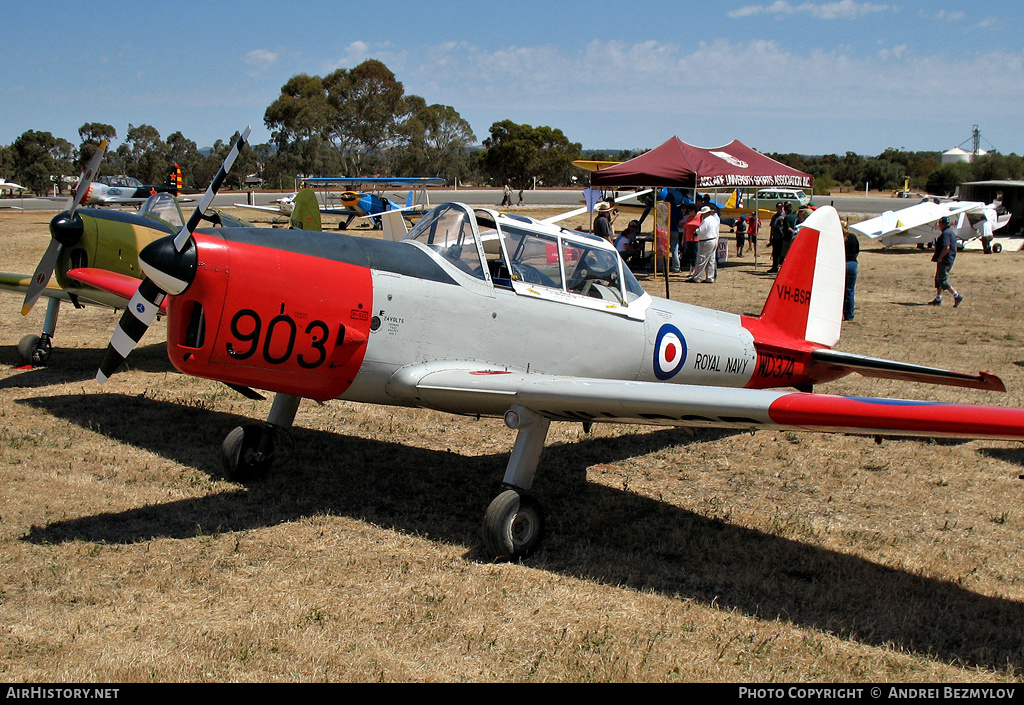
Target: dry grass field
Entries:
(670, 556)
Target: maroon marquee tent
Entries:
(676, 163)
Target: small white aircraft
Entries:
(478, 313)
(281, 206)
(916, 224)
(6, 185)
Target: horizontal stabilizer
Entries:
(890, 369)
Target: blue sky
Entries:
(779, 75)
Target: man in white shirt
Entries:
(707, 246)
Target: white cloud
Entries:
(259, 60)
(841, 10)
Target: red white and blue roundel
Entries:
(669, 352)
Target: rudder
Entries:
(305, 211)
(806, 301)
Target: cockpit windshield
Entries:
(164, 207)
(448, 231)
(530, 257)
(120, 181)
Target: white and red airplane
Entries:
(477, 313)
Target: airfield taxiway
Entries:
(569, 198)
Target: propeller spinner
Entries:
(169, 264)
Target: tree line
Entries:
(360, 122)
(893, 169)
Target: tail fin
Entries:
(806, 301)
(305, 211)
(176, 179)
(408, 201)
(393, 225)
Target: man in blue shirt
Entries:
(945, 255)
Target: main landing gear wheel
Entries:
(248, 452)
(513, 525)
(35, 350)
(997, 248)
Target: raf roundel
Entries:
(669, 352)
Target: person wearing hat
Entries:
(707, 246)
(603, 221)
(945, 255)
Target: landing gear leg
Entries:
(36, 349)
(514, 522)
(247, 453)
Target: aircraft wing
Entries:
(458, 388)
(121, 200)
(405, 209)
(585, 209)
(120, 285)
(279, 210)
(893, 222)
(18, 283)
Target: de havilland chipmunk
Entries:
(477, 313)
(127, 190)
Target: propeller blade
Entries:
(85, 180)
(42, 276)
(169, 263)
(44, 270)
(134, 323)
(186, 231)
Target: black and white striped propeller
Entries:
(65, 231)
(169, 264)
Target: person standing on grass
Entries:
(691, 222)
(707, 246)
(945, 255)
(852, 252)
(753, 225)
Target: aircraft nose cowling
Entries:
(67, 229)
(169, 269)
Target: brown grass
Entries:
(671, 556)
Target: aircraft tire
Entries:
(32, 350)
(997, 248)
(241, 455)
(513, 526)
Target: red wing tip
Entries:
(992, 382)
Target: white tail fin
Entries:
(393, 225)
(806, 301)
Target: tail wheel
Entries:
(513, 525)
(247, 452)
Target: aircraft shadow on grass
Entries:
(77, 365)
(595, 532)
